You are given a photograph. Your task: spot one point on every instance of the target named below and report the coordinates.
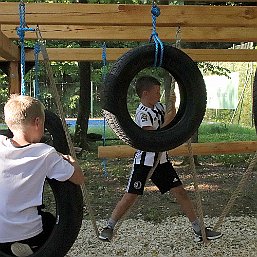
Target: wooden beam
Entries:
(14, 78)
(130, 15)
(112, 54)
(222, 55)
(127, 33)
(95, 54)
(125, 151)
(8, 50)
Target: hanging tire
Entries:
(69, 203)
(53, 125)
(255, 100)
(192, 98)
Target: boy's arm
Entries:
(77, 177)
(171, 111)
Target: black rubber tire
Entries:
(192, 98)
(53, 124)
(69, 204)
(255, 100)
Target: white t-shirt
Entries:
(145, 117)
(22, 174)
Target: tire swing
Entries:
(192, 98)
(68, 199)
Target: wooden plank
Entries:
(222, 55)
(79, 54)
(136, 15)
(8, 50)
(125, 151)
(112, 54)
(127, 33)
(14, 78)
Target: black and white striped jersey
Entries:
(146, 117)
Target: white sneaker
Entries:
(21, 250)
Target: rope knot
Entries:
(154, 36)
(155, 11)
(20, 33)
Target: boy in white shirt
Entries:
(150, 115)
(24, 165)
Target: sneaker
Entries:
(210, 235)
(22, 250)
(106, 234)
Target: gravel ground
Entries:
(172, 237)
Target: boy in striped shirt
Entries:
(150, 115)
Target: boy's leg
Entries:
(166, 179)
(188, 208)
(135, 187)
(119, 211)
(184, 201)
(123, 206)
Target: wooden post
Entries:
(14, 78)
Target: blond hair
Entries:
(20, 111)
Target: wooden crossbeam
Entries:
(130, 15)
(127, 33)
(8, 50)
(125, 151)
(112, 54)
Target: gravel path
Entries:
(173, 237)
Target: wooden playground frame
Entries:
(103, 22)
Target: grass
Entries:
(217, 132)
(3, 126)
(220, 132)
(208, 132)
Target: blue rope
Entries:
(154, 37)
(104, 72)
(21, 33)
(36, 54)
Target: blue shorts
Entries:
(164, 177)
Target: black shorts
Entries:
(164, 177)
(37, 241)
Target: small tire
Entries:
(192, 98)
(68, 199)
